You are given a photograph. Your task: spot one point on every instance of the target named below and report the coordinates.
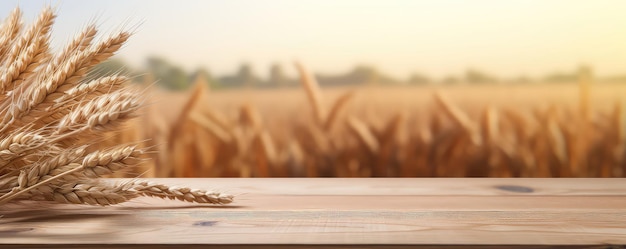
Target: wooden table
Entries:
(353, 213)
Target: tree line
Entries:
(174, 77)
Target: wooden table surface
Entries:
(327, 212)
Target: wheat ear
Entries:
(459, 117)
(9, 31)
(49, 111)
(146, 188)
(41, 27)
(336, 109)
(88, 192)
(313, 92)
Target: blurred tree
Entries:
(418, 79)
(615, 79)
(244, 77)
(364, 75)
(522, 79)
(560, 77)
(474, 76)
(450, 80)
(167, 75)
(204, 77)
(359, 75)
(277, 76)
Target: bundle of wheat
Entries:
(52, 112)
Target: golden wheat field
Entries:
(531, 130)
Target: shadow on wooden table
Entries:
(28, 222)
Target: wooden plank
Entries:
(335, 212)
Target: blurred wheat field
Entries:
(531, 130)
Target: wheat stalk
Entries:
(48, 110)
(364, 134)
(336, 109)
(313, 93)
(211, 127)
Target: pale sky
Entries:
(437, 37)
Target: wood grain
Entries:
(336, 212)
